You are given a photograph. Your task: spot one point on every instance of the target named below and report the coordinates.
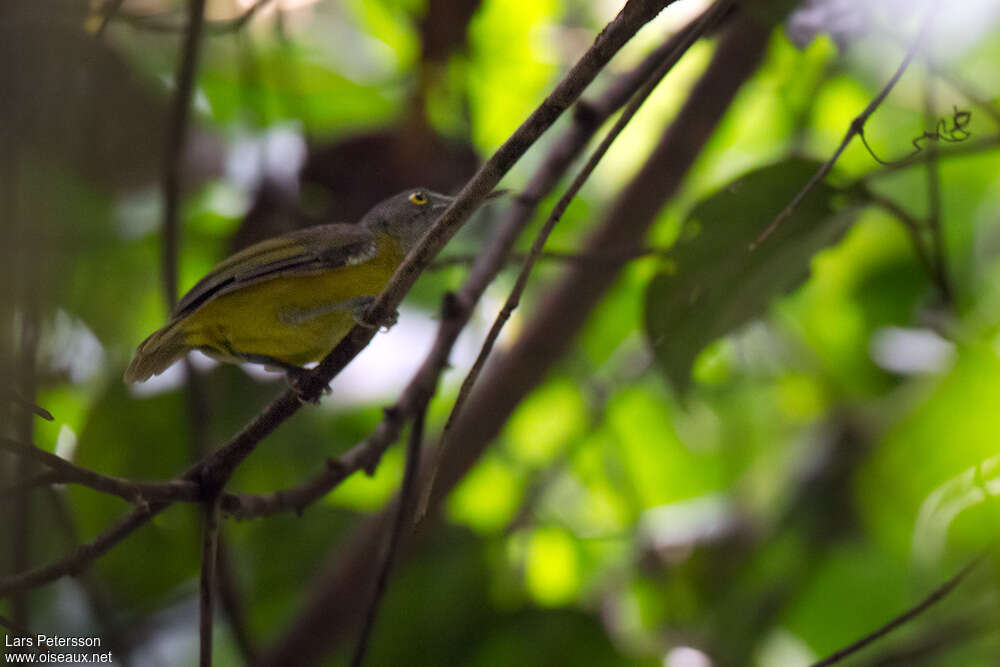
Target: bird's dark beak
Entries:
(448, 200)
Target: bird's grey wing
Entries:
(303, 252)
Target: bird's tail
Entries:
(157, 353)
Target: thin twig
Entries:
(35, 481)
(196, 403)
(911, 224)
(403, 519)
(966, 88)
(176, 139)
(702, 24)
(363, 456)
(856, 128)
(956, 133)
(964, 150)
(13, 397)
(199, 412)
(209, 560)
(64, 472)
(94, 592)
(936, 595)
(948, 636)
(80, 557)
(231, 600)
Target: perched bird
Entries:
(289, 300)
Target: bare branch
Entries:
(80, 557)
(95, 592)
(856, 128)
(64, 472)
(968, 148)
(363, 456)
(936, 595)
(232, 602)
(934, 641)
(967, 89)
(911, 224)
(400, 525)
(13, 397)
(180, 114)
(33, 482)
(209, 561)
(956, 133)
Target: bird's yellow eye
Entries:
(418, 198)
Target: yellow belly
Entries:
(284, 318)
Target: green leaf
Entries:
(715, 282)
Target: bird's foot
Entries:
(360, 311)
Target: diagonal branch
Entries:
(34, 481)
(912, 225)
(856, 128)
(79, 558)
(935, 596)
(13, 397)
(401, 523)
(177, 129)
(232, 601)
(62, 472)
(209, 563)
(945, 73)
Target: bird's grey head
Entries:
(407, 215)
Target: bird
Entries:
(287, 301)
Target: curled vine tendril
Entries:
(952, 134)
